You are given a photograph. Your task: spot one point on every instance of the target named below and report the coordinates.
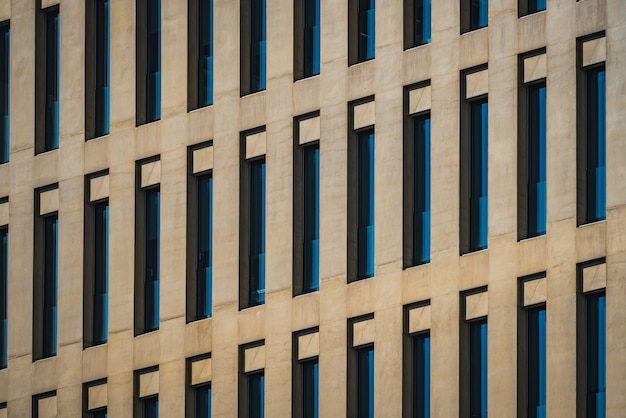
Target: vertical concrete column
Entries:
(122, 64)
(174, 58)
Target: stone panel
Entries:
(535, 291)
(4, 213)
(594, 51)
(254, 359)
(364, 115)
(419, 319)
(419, 99)
(202, 159)
(47, 407)
(363, 332)
(594, 277)
(476, 305)
(48, 202)
(476, 84)
(256, 145)
(201, 371)
(99, 188)
(535, 68)
(148, 384)
(308, 345)
(309, 130)
(97, 396)
(150, 173)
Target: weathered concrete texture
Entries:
(441, 65)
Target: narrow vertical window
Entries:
(5, 71)
(306, 217)
(417, 191)
(417, 23)
(306, 374)
(365, 201)
(204, 266)
(146, 399)
(596, 355)
(95, 399)
(478, 368)
(253, 48)
(147, 246)
(202, 401)
(474, 15)
(532, 161)
(257, 232)
(97, 68)
(148, 61)
(198, 387)
(473, 353)
(252, 380)
(151, 278)
(307, 38)
(361, 367)
(362, 26)
(150, 407)
(420, 373)
(536, 366)
(200, 54)
(256, 395)
(527, 7)
(474, 162)
(46, 285)
(98, 273)
(47, 80)
(4, 274)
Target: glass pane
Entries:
(102, 68)
(596, 145)
(478, 14)
(205, 52)
(478, 368)
(421, 22)
(311, 216)
(366, 28)
(596, 355)
(152, 256)
(101, 273)
(202, 401)
(536, 362)
(478, 174)
(204, 268)
(311, 37)
(365, 232)
(256, 395)
(4, 93)
(421, 190)
(52, 78)
(536, 131)
(153, 64)
(50, 286)
(310, 389)
(257, 232)
(150, 408)
(420, 376)
(4, 274)
(365, 382)
(257, 45)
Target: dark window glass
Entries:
(478, 14)
(204, 269)
(531, 6)
(257, 45)
(310, 389)
(202, 401)
(311, 37)
(148, 61)
(421, 190)
(5, 70)
(101, 273)
(257, 232)
(52, 77)
(536, 339)
(50, 285)
(536, 162)
(205, 52)
(418, 30)
(151, 257)
(365, 231)
(478, 175)
(98, 414)
(311, 217)
(596, 355)
(366, 28)
(596, 144)
(97, 45)
(420, 375)
(150, 407)
(478, 368)
(256, 395)
(4, 274)
(365, 382)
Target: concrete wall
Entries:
(499, 267)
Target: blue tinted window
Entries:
(99, 414)
(204, 268)
(535, 6)
(52, 78)
(536, 141)
(205, 52)
(536, 362)
(421, 189)
(257, 233)
(365, 382)
(365, 232)
(150, 407)
(153, 60)
(310, 389)
(151, 270)
(478, 174)
(421, 22)
(101, 273)
(311, 37)
(50, 285)
(5, 70)
(311, 217)
(256, 395)
(102, 53)
(596, 144)
(4, 274)
(366, 28)
(479, 10)
(257, 45)
(420, 382)
(202, 401)
(478, 368)
(596, 356)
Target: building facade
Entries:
(313, 208)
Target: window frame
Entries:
(4, 288)
(410, 19)
(306, 36)
(5, 89)
(355, 388)
(299, 384)
(97, 78)
(411, 407)
(249, 27)
(148, 62)
(196, 29)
